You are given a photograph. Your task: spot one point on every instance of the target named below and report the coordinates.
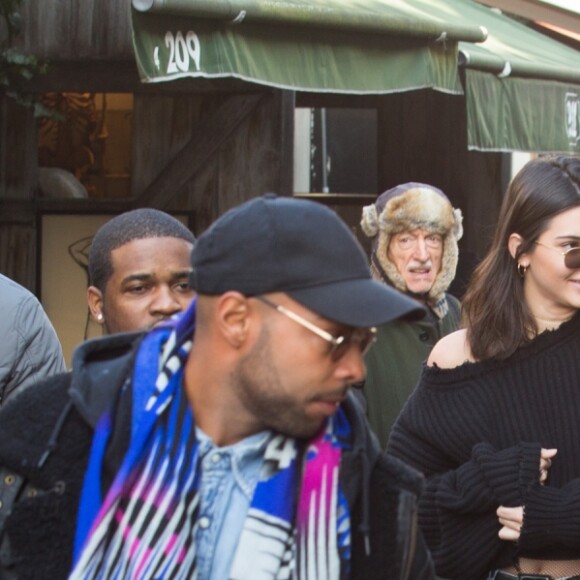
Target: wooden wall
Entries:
(18, 177)
(18, 165)
(200, 153)
(423, 137)
(88, 47)
(77, 29)
(176, 135)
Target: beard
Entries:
(263, 393)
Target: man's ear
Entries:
(514, 242)
(95, 302)
(233, 315)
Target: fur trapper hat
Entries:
(413, 206)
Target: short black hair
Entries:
(137, 224)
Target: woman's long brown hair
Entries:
(495, 312)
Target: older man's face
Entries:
(417, 256)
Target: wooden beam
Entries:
(121, 76)
(84, 206)
(330, 100)
(339, 198)
(90, 76)
(25, 211)
(17, 211)
(210, 134)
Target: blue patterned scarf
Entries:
(146, 524)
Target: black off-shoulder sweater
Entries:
(476, 431)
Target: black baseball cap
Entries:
(301, 248)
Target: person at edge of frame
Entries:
(30, 349)
(493, 423)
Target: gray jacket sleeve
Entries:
(29, 347)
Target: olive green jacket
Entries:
(394, 364)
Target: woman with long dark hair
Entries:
(494, 423)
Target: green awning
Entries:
(337, 46)
(522, 88)
(522, 114)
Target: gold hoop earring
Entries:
(522, 270)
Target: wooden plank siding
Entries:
(18, 151)
(207, 154)
(18, 177)
(242, 152)
(77, 29)
(423, 137)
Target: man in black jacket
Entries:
(224, 444)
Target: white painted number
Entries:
(170, 44)
(281, 450)
(193, 47)
(573, 118)
(181, 50)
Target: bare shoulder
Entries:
(451, 351)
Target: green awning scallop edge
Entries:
(521, 114)
(169, 47)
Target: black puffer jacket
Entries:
(45, 439)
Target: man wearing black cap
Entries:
(223, 444)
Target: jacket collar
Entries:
(100, 367)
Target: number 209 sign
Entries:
(182, 50)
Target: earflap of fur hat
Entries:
(381, 255)
(458, 225)
(370, 220)
(448, 269)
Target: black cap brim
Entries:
(360, 303)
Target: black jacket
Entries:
(45, 439)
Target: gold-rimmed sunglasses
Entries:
(571, 255)
(362, 337)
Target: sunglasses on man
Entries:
(362, 337)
